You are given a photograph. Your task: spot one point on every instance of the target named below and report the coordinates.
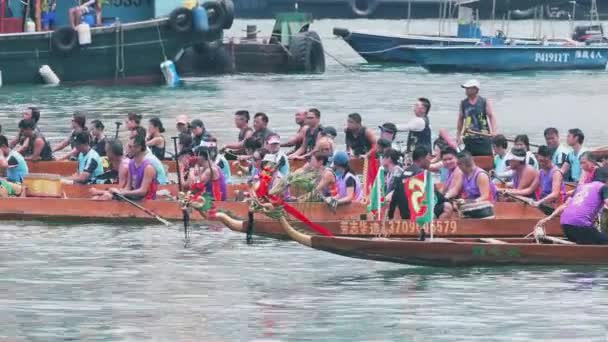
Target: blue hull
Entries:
(376, 48)
(510, 58)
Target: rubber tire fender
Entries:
(216, 14)
(359, 12)
(229, 9)
(64, 39)
(181, 20)
(307, 53)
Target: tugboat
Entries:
(120, 53)
(292, 47)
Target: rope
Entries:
(332, 56)
(538, 233)
(119, 66)
(160, 40)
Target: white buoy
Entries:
(30, 25)
(84, 34)
(48, 75)
(170, 73)
(0, 78)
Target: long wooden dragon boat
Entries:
(68, 168)
(512, 220)
(456, 252)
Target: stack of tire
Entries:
(220, 14)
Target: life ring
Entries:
(363, 8)
(64, 39)
(216, 14)
(181, 20)
(306, 53)
(229, 9)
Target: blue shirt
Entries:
(17, 167)
(161, 173)
(575, 164)
(91, 163)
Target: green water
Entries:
(133, 283)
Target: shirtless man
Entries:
(525, 176)
(297, 140)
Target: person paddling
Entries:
(525, 177)
(453, 183)
(501, 170)
(79, 121)
(313, 121)
(98, 142)
(199, 132)
(523, 142)
(419, 127)
(476, 183)
(141, 177)
(155, 140)
(30, 113)
(551, 188)
(273, 144)
(89, 162)
(575, 140)
(13, 162)
(119, 170)
(578, 214)
(347, 185)
(35, 147)
(241, 121)
(358, 138)
(559, 152)
(298, 139)
(206, 177)
(133, 122)
(475, 114)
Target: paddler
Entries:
(359, 139)
(89, 162)
(35, 146)
(394, 171)
(205, 176)
(182, 124)
(155, 140)
(313, 121)
(133, 122)
(273, 144)
(98, 136)
(475, 114)
(575, 140)
(12, 161)
(118, 172)
(141, 175)
(326, 181)
(523, 142)
(421, 161)
(579, 213)
(476, 183)
(348, 187)
(30, 113)
(419, 127)
(79, 121)
(298, 139)
(452, 187)
(326, 142)
(501, 170)
(218, 159)
(560, 152)
(260, 128)
(159, 167)
(551, 188)
(241, 121)
(199, 133)
(525, 176)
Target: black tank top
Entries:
(311, 138)
(359, 144)
(422, 138)
(159, 152)
(45, 154)
(243, 132)
(475, 117)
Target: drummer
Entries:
(525, 176)
(12, 161)
(578, 214)
(89, 162)
(551, 180)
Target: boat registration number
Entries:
(394, 227)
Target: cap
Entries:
(182, 119)
(601, 174)
(388, 127)
(471, 84)
(516, 154)
(197, 123)
(329, 130)
(273, 139)
(341, 158)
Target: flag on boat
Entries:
(370, 170)
(420, 194)
(377, 194)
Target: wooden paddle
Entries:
(118, 123)
(546, 209)
(145, 210)
(185, 213)
(487, 135)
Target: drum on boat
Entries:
(477, 210)
(42, 185)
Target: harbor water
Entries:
(140, 283)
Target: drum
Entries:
(42, 185)
(477, 210)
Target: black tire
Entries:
(229, 9)
(363, 8)
(64, 40)
(216, 14)
(181, 20)
(212, 57)
(306, 53)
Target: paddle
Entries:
(185, 214)
(118, 124)
(546, 209)
(145, 210)
(487, 135)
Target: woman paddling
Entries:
(205, 177)
(156, 140)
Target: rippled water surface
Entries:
(131, 283)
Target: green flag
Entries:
(428, 200)
(376, 196)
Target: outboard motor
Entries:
(585, 33)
